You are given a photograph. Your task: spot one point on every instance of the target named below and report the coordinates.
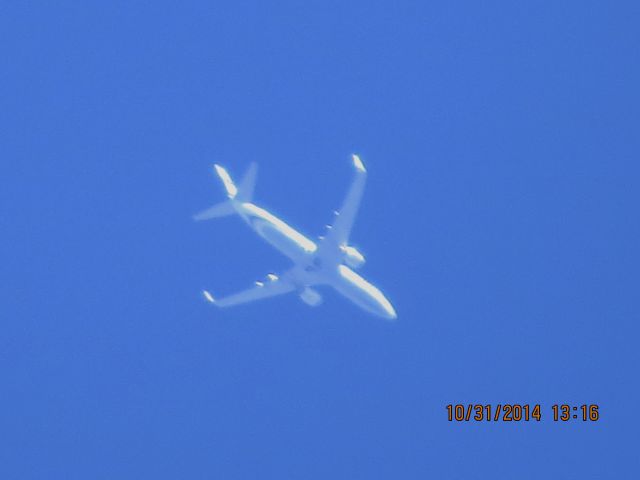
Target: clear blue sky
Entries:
(500, 217)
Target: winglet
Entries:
(358, 163)
(208, 297)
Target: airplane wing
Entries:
(339, 232)
(270, 288)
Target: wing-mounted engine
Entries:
(352, 256)
(311, 297)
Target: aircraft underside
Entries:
(323, 263)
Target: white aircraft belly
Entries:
(362, 293)
(277, 233)
(314, 264)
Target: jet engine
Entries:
(352, 256)
(311, 297)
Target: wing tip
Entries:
(358, 163)
(208, 297)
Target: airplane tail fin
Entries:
(244, 191)
(248, 183)
(241, 193)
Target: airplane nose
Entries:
(389, 312)
(363, 294)
(384, 308)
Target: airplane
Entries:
(329, 261)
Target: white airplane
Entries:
(321, 263)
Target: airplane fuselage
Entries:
(314, 265)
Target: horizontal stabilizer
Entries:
(222, 209)
(229, 186)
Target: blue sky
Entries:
(500, 218)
